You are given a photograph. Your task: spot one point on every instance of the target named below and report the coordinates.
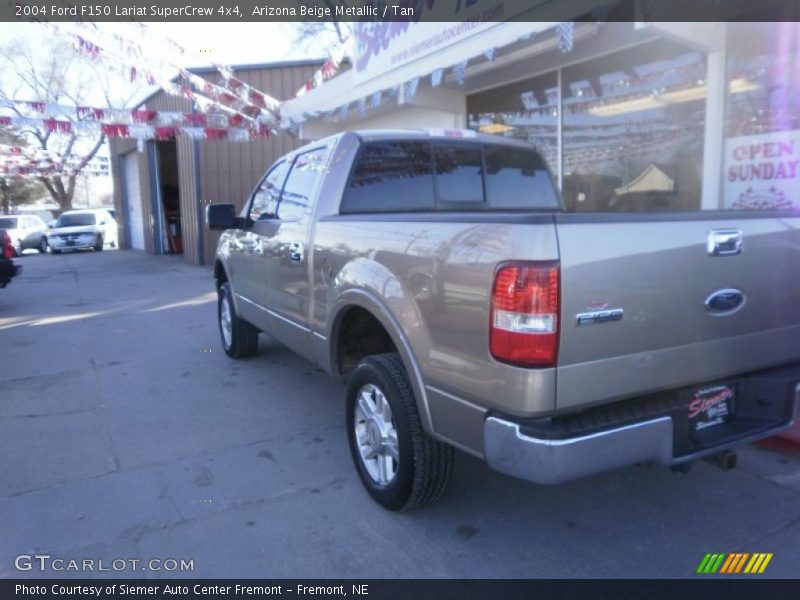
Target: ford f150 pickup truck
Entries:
(439, 273)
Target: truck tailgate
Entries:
(680, 323)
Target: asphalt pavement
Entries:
(126, 433)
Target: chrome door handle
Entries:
(724, 242)
(296, 252)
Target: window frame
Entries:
(249, 203)
(312, 193)
(444, 206)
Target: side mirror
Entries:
(102, 222)
(221, 216)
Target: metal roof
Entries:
(243, 67)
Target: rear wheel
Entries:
(239, 338)
(401, 466)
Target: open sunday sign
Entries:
(763, 171)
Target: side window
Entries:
(459, 174)
(391, 176)
(265, 199)
(303, 178)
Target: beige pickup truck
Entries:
(438, 272)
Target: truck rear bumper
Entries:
(511, 447)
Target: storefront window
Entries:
(526, 110)
(762, 130)
(633, 130)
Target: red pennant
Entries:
(165, 133)
(251, 111)
(257, 98)
(144, 116)
(213, 133)
(198, 119)
(235, 120)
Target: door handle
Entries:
(296, 252)
(724, 242)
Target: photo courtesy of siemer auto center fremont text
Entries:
(400, 299)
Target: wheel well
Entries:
(360, 334)
(219, 273)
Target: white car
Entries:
(25, 231)
(83, 229)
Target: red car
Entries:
(8, 270)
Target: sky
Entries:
(224, 43)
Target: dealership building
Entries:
(630, 116)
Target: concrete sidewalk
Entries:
(127, 433)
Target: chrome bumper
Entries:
(557, 461)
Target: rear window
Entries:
(75, 220)
(8, 223)
(423, 176)
(517, 178)
(459, 173)
(391, 176)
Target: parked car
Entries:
(83, 230)
(25, 231)
(8, 270)
(439, 273)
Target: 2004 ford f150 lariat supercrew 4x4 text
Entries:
(438, 272)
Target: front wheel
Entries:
(239, 338)
(43, 245)
(18, 248)
(400, 465)
(98, 244)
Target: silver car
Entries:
(25, 231)
(90, 229)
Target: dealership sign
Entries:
(382, 46)
(763, 171)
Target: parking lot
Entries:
(127, 433)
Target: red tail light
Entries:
(6, 246)
(525, 314)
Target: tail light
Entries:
(525, 314)
(6, 247)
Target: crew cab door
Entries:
(282, 267)
(246, 255)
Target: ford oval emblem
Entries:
(725, 302)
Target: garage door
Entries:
(134, 201)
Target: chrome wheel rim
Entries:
(376, 435)
(225, 322)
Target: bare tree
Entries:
(52, 72)
(319, 37)
(16, 191)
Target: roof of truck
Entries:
(375, 135)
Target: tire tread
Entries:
(433, 459)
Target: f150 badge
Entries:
(602, 314)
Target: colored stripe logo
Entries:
(735, 562)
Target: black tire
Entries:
(43, 245)
(98, 245)
(244, 337)
(54, 251)
(425, 465)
